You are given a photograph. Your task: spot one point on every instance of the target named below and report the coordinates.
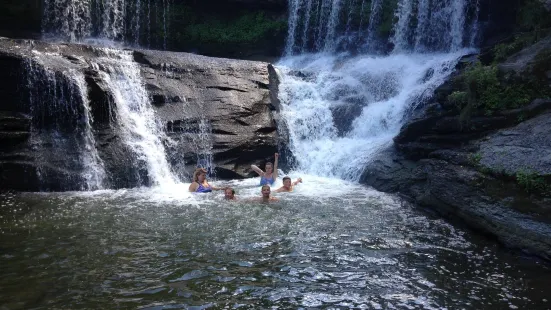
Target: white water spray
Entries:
(375, 94)
(342, 110)
(135, 115)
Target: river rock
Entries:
(523, 148)
(216, 110)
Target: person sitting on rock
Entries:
(269, 177)
(229, 194)
(287, 185)
(200, 184)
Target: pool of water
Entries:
(329, 244)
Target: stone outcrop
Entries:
(231, 98)
(491, 172)
(216, 108)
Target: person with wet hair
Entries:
(266, 194)
(229, 194)
(288, 186)
(269, 177)
(200, 184)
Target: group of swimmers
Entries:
(267, 179)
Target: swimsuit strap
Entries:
(203, 189)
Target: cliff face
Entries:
(60, 103)
(486, 160)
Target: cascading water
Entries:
(135, 116)
(341, 110)
(60, 109)
(111, 20)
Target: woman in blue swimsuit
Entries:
(200, 184)
(269, 177)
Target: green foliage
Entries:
(248, 28)
(459, 98)
(481, 89)
(475, 159)
(531, 182)
(504, 50)
(533, 23)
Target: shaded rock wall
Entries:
(232, 99)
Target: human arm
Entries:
(279, 190)
(257, 170)
(217, 188)
(193, 187)
(299, 180)
(274, 174)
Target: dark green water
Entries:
(317, 248)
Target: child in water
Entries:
(266, 194)
(229, 194)
(288, 186)
(269, 177)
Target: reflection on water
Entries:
(330, 244)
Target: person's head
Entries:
(229, 193)
(199, 175)
(287, 182)
(269, 168)
(266, 191)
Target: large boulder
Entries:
(57, 99)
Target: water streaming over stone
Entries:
(341, 110)
(131, 22)
(135, 116)
(60, 110)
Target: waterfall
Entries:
(293, 21)
(135, 116)
(402, 27)
(111, 20)
(341, 110)
(421, 25)
(374, 21)
(62, 120)
(70, 19)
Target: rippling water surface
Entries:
(330, 244)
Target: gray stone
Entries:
(525, 147)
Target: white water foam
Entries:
(383, 89)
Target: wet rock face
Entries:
(213, 105)
(491, 172)
(215, 109)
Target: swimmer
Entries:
(266, 195)
(287, 185)
(229, 194)
(200, 184)
(269, 177)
